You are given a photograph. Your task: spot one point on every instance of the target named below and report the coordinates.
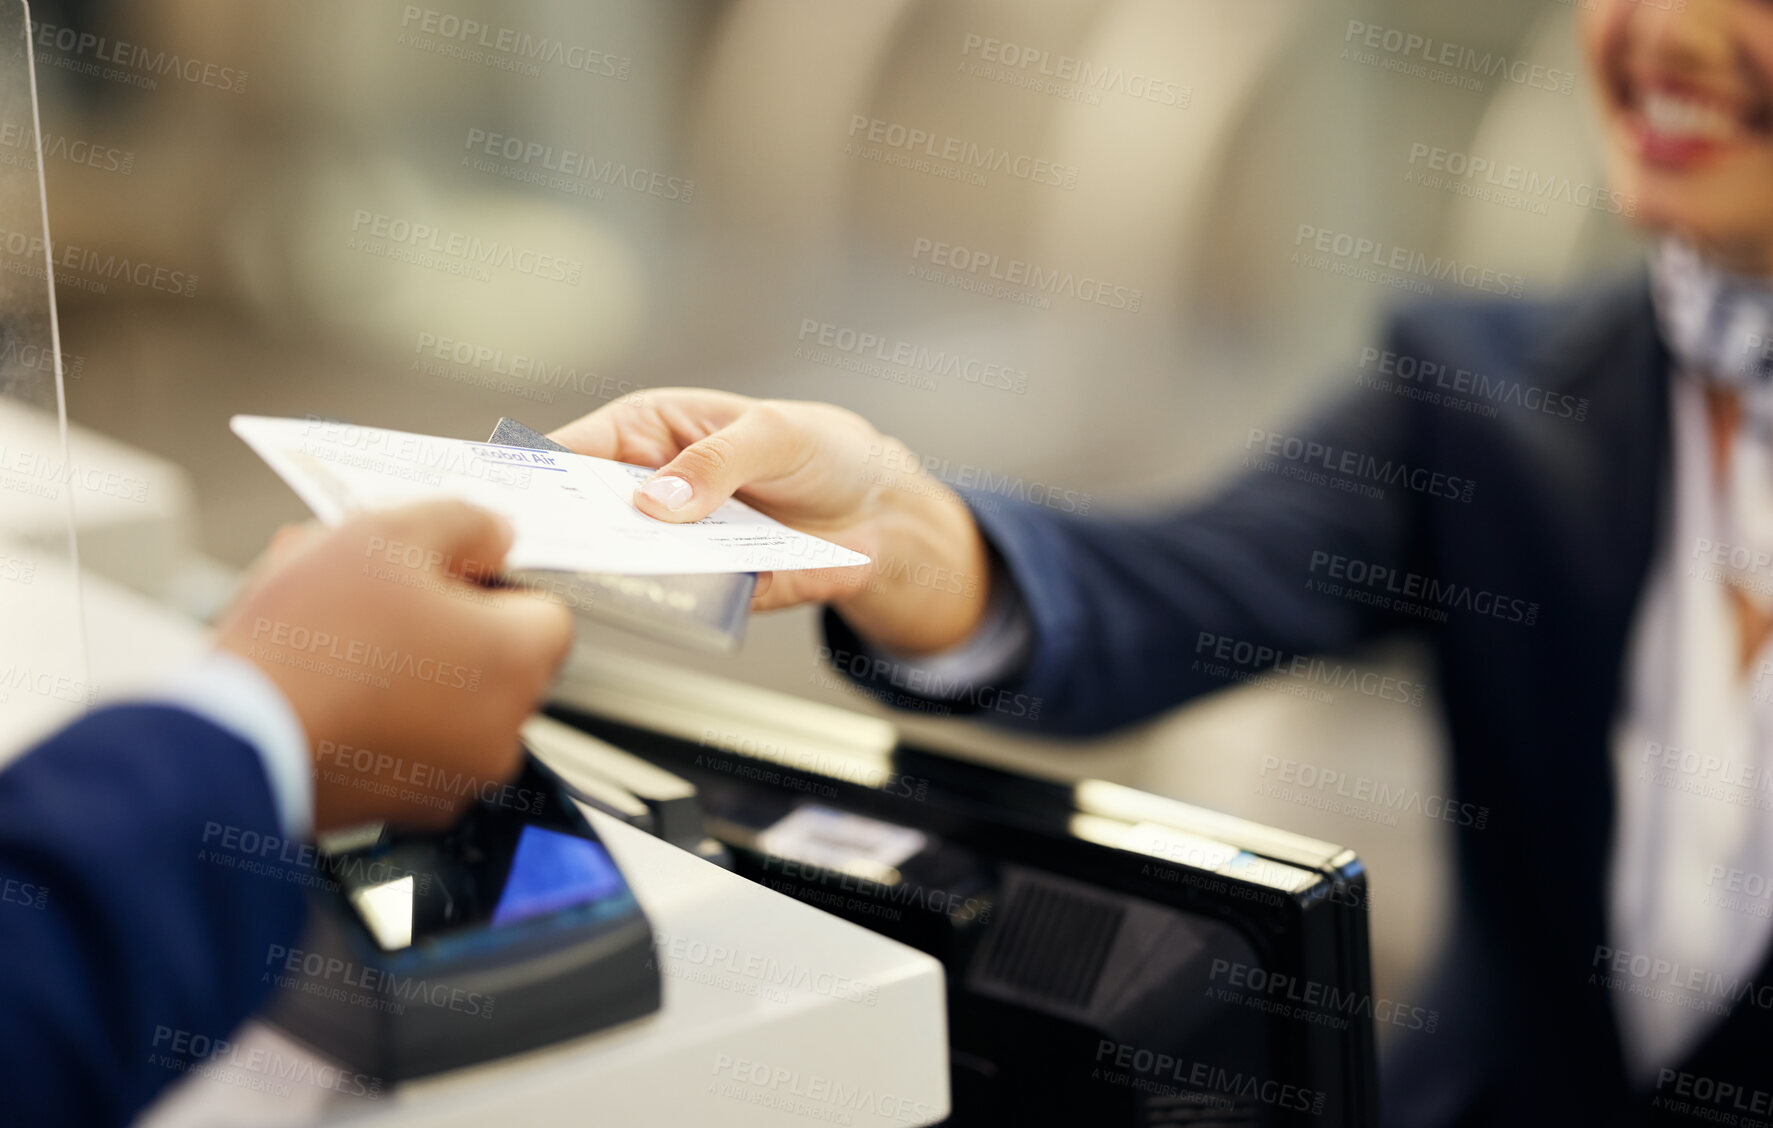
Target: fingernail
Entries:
(669, 491)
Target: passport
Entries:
(703, 612)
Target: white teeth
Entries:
(1684, 118)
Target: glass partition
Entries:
(43, 669)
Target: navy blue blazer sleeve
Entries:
(1131, 612)
(123, 919)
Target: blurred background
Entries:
(429, 216)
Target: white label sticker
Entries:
(836, 839)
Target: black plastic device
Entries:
(426, 952)
(1113, 957)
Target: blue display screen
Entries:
(551, 871)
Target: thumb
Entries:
(759, 444)
(447, 535)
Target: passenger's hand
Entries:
(410, 677)
(820, 469)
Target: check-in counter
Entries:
(773, 1013)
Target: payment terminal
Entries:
(430, 951)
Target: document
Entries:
(572, 513)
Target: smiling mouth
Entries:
(1677, 125)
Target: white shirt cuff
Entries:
(994, 651)
(235, 695)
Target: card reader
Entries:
(426, 952)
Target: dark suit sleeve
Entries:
(1130, 612)
(125, 914)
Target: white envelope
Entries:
(572, 513)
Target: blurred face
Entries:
(1686, 88)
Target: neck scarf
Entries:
(1718, 327)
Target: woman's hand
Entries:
(822, 470)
